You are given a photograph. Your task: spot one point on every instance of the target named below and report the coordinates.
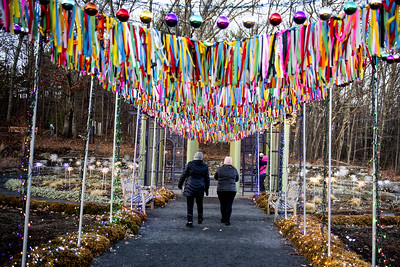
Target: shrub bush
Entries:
(68, 208)
(112, 232)
(54, 255)
(363, 220)
(162, 196)
(94, 242)
(314, 243)
(53, 193)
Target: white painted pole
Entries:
(373, 251)
(304, 170)
(329, 170)
(114, 153)
(31, 149)
(285, 155)
(88, 128)
(153, 164)
(134, 155)
(375, 157)
(258, 162)
(164, 165)
(270, 157)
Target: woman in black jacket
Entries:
(198, 182)
(227, 177)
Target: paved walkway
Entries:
(164, 240)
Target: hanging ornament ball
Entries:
(222, 22)
(325, 13)
(249, 22)
(196, 21)
(123, 15)
(146, 17)
(300, 17)
(68, 4)
(350, 8)
(91, 9)
(384, 56)
(17, 29)
(375, 4)
(390, 59)
(396, 58)
(275, 19)
(171, 20)
(44, 2)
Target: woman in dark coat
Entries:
(227, 177)
(197, 182)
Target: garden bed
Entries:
(351, 239)
(53, 232)
(356, 233)
(46, 226)
(359, 240)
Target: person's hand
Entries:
(180, 186)
(206, 192)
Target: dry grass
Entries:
(317, 200)
(310, 206)
(356, 202)
(95, 185)
(98, 192)
(333, 197)
(55, 184)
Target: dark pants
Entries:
(190, 204)
(262, 179)
(226, 200)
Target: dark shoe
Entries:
(227, 223)
(189, 224)
(223, 221)
(200, 221)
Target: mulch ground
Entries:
(45, 226)
(359, 239)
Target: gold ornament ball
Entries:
(146, 17)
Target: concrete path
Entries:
(164, 240)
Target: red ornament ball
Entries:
(123, 15)
(275, 19)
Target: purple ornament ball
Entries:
(222, 22)
(17, 29)
(300, 17)
(171, 20)
(390, 59)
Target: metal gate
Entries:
(169, 160)
(249, 159)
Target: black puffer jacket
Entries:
(227, 177)
(198, 179)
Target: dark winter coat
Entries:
(197, 179)
(227, 177)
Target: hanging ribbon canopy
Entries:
(211, 91)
